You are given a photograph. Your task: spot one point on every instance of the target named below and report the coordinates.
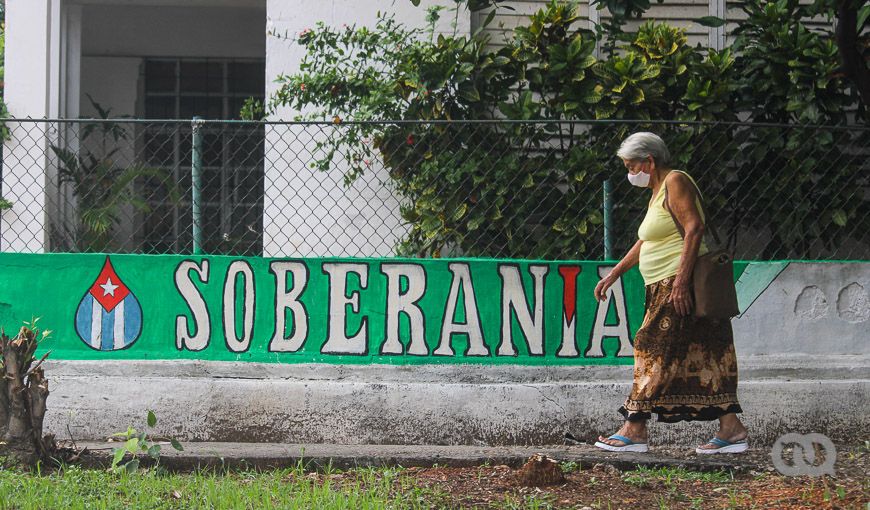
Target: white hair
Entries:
(643, 144)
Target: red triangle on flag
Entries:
(108, 289)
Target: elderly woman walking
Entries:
(685, 367)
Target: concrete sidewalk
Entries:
(318, 456)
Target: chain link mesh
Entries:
(421, 189)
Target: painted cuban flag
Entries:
(109, 317)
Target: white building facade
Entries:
(173, 59)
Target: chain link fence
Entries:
(535, 189)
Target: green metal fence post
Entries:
(196, 183)
(608, 221)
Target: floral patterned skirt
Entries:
(684, 366)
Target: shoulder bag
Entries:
(713, 275)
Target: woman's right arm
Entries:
(628, 261)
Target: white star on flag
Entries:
(108, 288)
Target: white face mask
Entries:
(640, 179)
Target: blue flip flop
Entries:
(630, 446)
(723, 446)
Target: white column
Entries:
(27, 87)
(62, 204)
(594, 21)
(308, 212)
(717, 34)
(42, 76)
(73, 61)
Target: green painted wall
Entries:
(346, 314)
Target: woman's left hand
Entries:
(681, 297)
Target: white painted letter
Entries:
(471, 326)
(338, 341)
(196, 303)
(239, 344)
(284, 300)
(514, 297)
(620, 330)
(406, 303)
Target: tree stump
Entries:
(540, 471)
(23, 395)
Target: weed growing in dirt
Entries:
(569, 466)
(135, 443)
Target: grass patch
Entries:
(642, 476)
(77, 488)
(528, 502)
(664, 482)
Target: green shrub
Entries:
(534, 189)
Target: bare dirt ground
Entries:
(605, 487)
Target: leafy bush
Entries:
(533, 189)
(788, 73)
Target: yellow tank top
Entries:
(662, 246)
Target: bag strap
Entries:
(709, 226)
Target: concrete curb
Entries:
(207, 455)
(431, 404)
